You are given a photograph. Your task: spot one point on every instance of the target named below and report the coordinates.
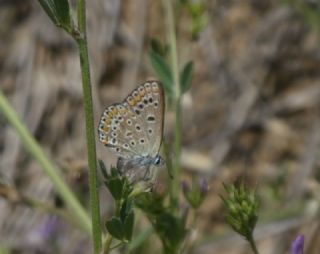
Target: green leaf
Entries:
(186, 77)
(103, 169)
(159, 48)
(114, 172)
(125, 210)
(163, 71)
(156, 46)
(49, 8)
(128, 226)
(63, 12)
(58, 11)
(114, 227)
(115, 186)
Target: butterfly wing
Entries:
(134, 128)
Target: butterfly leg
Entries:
(147, 175)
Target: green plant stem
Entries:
(109, 238)
(107, 244)
(90, 131)
(253, 245)
(176, 173)
(173, 48)
(49, 169)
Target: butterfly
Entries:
(133, 130)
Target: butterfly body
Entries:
(133, 130)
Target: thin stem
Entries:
(175, 184)
(90, 131)
(253, 245)
(49, 169)
(107, 244)
(109, 238)
(173, 48)
(177, 148)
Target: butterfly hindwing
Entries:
(134, 128)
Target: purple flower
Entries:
(297, 245)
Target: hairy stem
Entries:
(175, 184)
(90, 131)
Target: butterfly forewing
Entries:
(134, 128)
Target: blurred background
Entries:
(252, 112)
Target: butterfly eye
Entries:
(158, 160)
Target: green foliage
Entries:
(159, 48)
(121, 227)
(197, 12)
(186, 76)
(170, 228)
(114, 227)
(199, 18)
(59, 12)
(116, 184)
(195, 194)
(163, 71)
(309, 10)
(161, 67)
(242, 205)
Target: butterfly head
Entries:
(158, 161)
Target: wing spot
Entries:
(132, 142)
(137, 111)
(147, 85)
(150, 131)
(145, 101)
(150, 100)
(128, 134)
(151, 118)
(117, 149)
(126, 146)
(129, 122)
(138, 128)
(113, 134)
(142, 141)
(140, 105)
(156, 104)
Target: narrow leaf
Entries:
(49, 8)
(125, 209)
(128, 226)
(186, 77)
(63, 12)
(156, 46)
(114, 227)
(115, 186)
(103, 169)
(58, 11)
(163, 71)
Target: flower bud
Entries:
(196, 193)
(297, 245)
